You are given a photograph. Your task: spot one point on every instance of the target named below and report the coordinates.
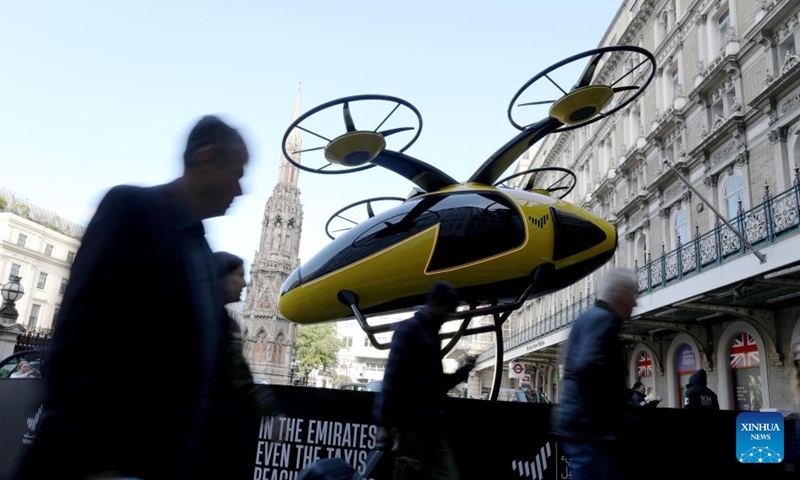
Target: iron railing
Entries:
(555, 322)
(772, 220)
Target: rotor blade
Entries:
(392, 131)
(314, 133)
(624, 89)
(588, 72)
(535, 103)
(387, 117)
(629, 72)
(348, 118)
(370, 211)
(307, 150)
(554, 83)
(347, 219)
(529, 183)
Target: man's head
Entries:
(214, 162)
(639, 387)
(442, 301)
(230, 270)
(619, 289)
(24, 367)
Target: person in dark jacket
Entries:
(411, 402)
(698, 396)
(639, 396)
(250, 401)
(591, 412)
(143, 289)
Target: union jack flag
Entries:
(645, 365)
(744, 351)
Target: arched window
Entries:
(733, 193)
(260, 349)
(685, 366)
(277, 350)
(680, 225)
(746, 371)
(644, 373)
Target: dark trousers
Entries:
(593, 460)
(423, 454)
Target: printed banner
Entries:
(509, 440)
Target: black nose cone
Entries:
(573, 234)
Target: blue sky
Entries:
(99, 93)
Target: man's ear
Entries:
(204, 157)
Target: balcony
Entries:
(772, 220)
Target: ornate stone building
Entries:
(270, 339)
(724, 109)
(38, 246)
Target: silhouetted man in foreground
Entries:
(411, 404)
(143, 307)
(593, 400)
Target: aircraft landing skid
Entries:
(499, 311)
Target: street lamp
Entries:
(11, 292)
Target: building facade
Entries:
(269, 338)
(724, 110)
(38, 246)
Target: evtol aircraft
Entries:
(498, 246)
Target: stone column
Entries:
(783, 175)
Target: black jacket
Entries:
(414, 385)
(698, 395)
(593, 398)
(135, 382)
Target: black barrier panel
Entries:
(496, 440)
(20, 416)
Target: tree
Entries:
(317, 348)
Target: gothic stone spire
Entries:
(270, 338)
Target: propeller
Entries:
(588, 72)
(348, 117)
(392, 131)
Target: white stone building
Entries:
(38, 246)
(724, 109)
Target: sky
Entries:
(95, 93)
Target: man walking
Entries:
(594, 397)
(143, 307)
(411, 403)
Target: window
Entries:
(42, 281)
(70, 257)
(635, 8)
(48, 250)
(63, 286)
(367, 342)
(55, 315)
(733, 195)
(347, 341)
(277, 350)
(676, 83)
(723, 25)
(34, 317)
(22, 239)
(14, 272)
(681, 226)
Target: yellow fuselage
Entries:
(483, 240)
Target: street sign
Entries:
(515, 370)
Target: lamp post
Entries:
(11, 292)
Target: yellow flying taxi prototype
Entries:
(498, 246)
